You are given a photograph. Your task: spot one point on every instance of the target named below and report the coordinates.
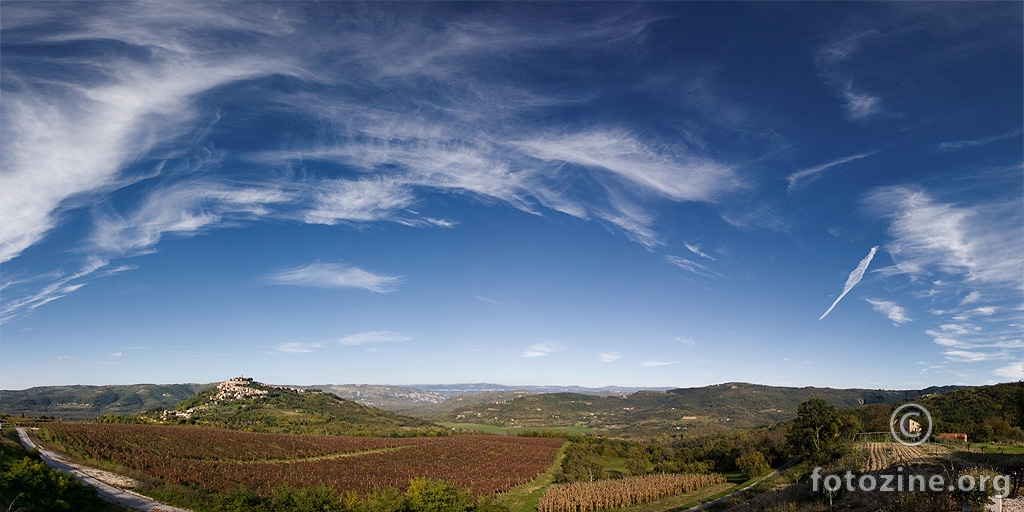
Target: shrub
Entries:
(430, 495)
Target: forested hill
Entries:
(983, 412)
(87, 402)
(732, 404)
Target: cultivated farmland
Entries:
(884, 455)
(220, 460)
(604, 494)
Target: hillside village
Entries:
(236, 388)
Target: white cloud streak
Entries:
(830, 59)
(63, 150)
(609, 357)
(680, 177)
(652, 364)
(811, 173)
(691, 266)
(541, 349)
(335, 275)
(114, 119)
(894, 312)
(961, 144)
(184, 209)
(979, 243)
(694, 248)
(374, 337)
(956, 247)
(298, 347)
(852, 280)
(358, 200)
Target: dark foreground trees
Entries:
(815, 435)
(423, 495)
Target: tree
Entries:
(431, 495)
(752, 464)
(637, 461)
(815, 433)
(580, 467)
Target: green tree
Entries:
(637, 461)
(382, 499)
(305, 499)
(579, 466)
(431, 495)
(752, 464)
(815, 433)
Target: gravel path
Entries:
(1014, 505)
(98, 479)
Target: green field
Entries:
(1005, 449)
(494, 429)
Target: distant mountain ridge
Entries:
(428, 399)
(450, 390)
(742, 403)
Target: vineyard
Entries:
(604, 494)
(884, 455)
(220, 460)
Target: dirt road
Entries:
(108, 492)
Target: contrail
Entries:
(854, 278)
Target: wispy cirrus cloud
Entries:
(298, 347)
(831, 59)
(805, 175)
(117, 118)
(183, 209)
(609, 357)
(362, 200)
(542, 349)
(373, 337)
(681, 176)
(949, 247)
(691, 266)
(893, 311)
(684, 341)
(335, 275)
(56, 286)
(696, 249)
(652, 364)
(110, 111)
(978, 243)
(852, 280)
(970, 143)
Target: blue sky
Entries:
(657, 194)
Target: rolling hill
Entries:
(611, 410)
(244, 404)
(725, 405)
(88, 402)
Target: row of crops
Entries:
(221, 460)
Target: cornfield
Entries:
(602, 494)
